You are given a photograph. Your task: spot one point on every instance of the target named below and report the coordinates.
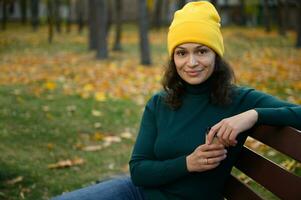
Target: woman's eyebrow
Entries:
(199, 46)
(180, 48)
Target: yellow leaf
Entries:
(50, 146)
(88, 87)
(98, 136)
(50, 85)
(100, 96)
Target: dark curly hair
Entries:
(223, 79)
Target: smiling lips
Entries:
(193, 73)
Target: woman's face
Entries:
(194, 62)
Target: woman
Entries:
(173, 158)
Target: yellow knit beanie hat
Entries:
(197, 22)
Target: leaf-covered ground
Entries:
(68, 120)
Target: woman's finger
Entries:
(212, 133)
(215, 160)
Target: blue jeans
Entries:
(121, 188)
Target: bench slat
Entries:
(236, 190)
(284, 139)
(280, 182)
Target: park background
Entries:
(75, 76)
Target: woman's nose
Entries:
(192, 61)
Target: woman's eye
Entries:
(180, 53)
(202, 51)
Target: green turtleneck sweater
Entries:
(166, 137)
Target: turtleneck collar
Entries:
(199, 89)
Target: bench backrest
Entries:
(274, 178)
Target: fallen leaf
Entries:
(45, 108)
(98, 136)
(71, 108)
(15, 180)
(88, 87)
(100, 96)
(112, 139)
(50, 146)
(23, 191)
(126, 135)
(50, 85)
(92, 148)
(96, 113)
(97, 125)
(66, 163)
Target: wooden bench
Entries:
(268, 174)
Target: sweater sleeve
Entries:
(275, 112)
(145, 168)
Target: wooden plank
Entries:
(284, 139)
(236, 190)
(268, 174)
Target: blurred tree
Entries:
(80, 14)
(266, 16)
(214, 2)
(101, 25)
(298, 42)
(282, 9)
(181, 3)
(4, 14)
(242, 12)
(251, 12)
(57, 15)
(118, 21)
(50, 19)
(143, 32)
(35, 14)
(157, 14)
(23, 7)
(92, 25)
(109, 19)
(69, 16)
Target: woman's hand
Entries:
(205, 157)
(227, 130)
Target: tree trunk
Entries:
(92, 25)
(143, 30)
(118, 20)
(109, 18)
(57, 15)
(281, 9)
(166, 17)
(298, 42)
(181, 3)
(214, 2)
(69, 17)
(157, 15)
(266, 16)
(50, 16)
(23, 7)
(242, 12)
(80, 15)
(101, 24)
(4, 15)
(35, 14)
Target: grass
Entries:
(35, 132)
(41, 126)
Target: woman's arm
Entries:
(266, 110)
(145, 168)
